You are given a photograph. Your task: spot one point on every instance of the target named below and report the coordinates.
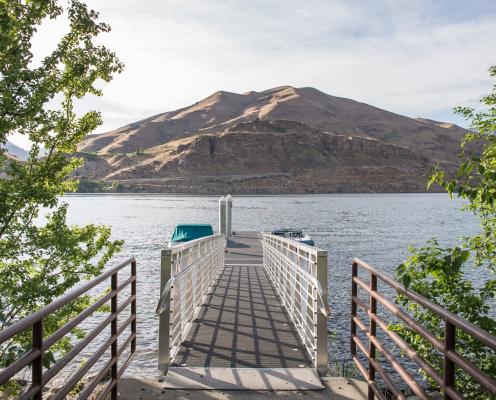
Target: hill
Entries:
(282, 140)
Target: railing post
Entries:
(113, 333)
(449, 366)
(37, 367)
(354, 292)
(372, 332)
(133, 305)
(164, 318)
(322, 354)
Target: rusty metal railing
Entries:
(34, 357)
(445, 379)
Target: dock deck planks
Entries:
(243, 323)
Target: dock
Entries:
(242, 323)
(242, 341)
(240, 335)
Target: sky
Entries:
(416, 57)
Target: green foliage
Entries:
(118, 187)
(475, 180)
(86, 185)
(437, 273)
(40, 261)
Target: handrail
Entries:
(26, 322)
(445, 379)
(163, 302)
(34, 321)
(187, 272)
(474, 331)
(298, 273)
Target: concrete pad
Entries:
(135, 388)
(197, 378)
(345, 388)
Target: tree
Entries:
(437, 272)
(41, 261)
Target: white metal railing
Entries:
(187, 272)
(298, 272)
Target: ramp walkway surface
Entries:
(242, 324)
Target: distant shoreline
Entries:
(82, 194)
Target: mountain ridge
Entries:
(177, 145)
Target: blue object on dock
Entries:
(188, 232)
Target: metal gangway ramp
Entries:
(243, 314)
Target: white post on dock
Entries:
(164, 332)
(229, 204)
(222, 215)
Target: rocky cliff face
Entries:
(282, 140)
(265, 157)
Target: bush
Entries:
(437, 272)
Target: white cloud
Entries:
(414, 58)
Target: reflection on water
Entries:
(374, 227)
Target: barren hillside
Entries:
(280, 140)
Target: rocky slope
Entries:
(283, 140)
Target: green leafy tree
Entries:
(437, 272)
(39, 261)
